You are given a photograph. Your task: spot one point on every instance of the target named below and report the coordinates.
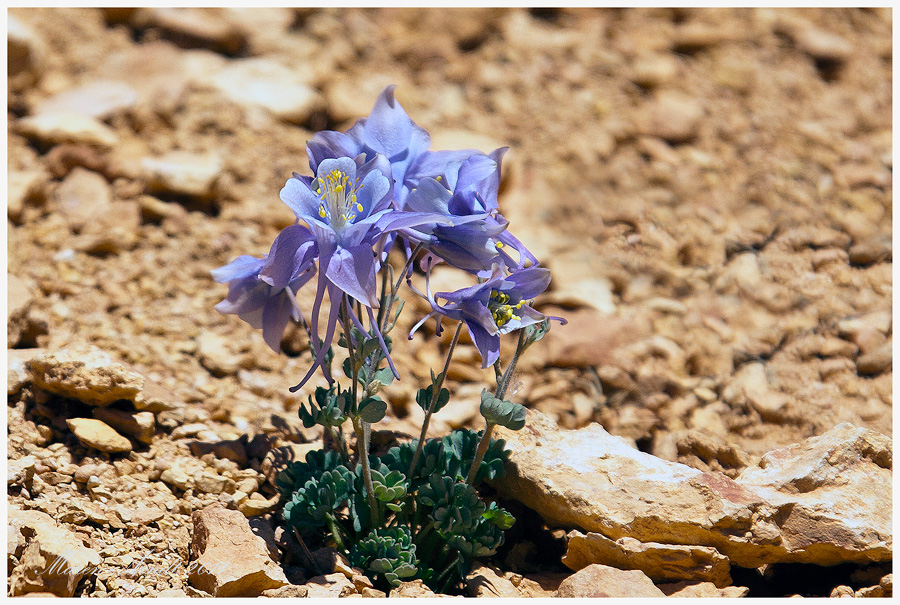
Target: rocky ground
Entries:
(711, 189)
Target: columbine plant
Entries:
(414, 512)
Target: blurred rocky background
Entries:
(710, 187)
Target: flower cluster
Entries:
(377, 186)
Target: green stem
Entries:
(444, 572)
(363, 444)
(422, 533)
(435, 393)
(337, 435)
(336, 534)
(507, 376)
(502, 385)
(479, 453)
(346, 324)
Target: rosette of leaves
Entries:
(314, 504)
(430, 461)
(486, 534)
(464, 524)
(459, 449)
(388, 554)
(455, 506)
(297, 473)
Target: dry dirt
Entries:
(711, 189)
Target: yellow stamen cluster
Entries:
(338, 197)
(501, 311)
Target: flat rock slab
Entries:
(659, 562)
(591, 480)
(67, 127)
(229, 559)
(98, 435)
(56, 559)
(92, 376)
(836, 492)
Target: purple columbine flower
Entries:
(478, 237)
(347, 207)
(497, 306)
(387, 131)
(258, 302)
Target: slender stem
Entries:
(307, 554)
(507, 376)
(502, 385)
(443, 573)
(336, 534)
(337, 436)
(361, 441)
(479, 453)
(346, 324)
(424, 531)
(435, 394)
(363, 444)
(384, 301)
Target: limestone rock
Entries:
(99, 435)
(182, 473)
(672, 116)
(19, 298)
(834, 491)
(751, 386)
(602, 581)
(260, 82)
(58, 562)
(212, 482)
(117, 230)
(332, 585)
(21, 186)
(89, 375)
(634, 494)
(216, 355)
(286, 592)
(876, 362)
(590, 338)
(25, 54)
(155, 398)
(209, 27)
(257, 505)
(83, 198)
(577, 284)
(279, 458)
(703, 590)
(20, 472)
(414, 590)
(98, 99)
(140, 425)
(183, 173)
(67, 127)
(148, 68)
(824, 45)
(660, 562)
(484, 581)
(229, 559)
(652, 70)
